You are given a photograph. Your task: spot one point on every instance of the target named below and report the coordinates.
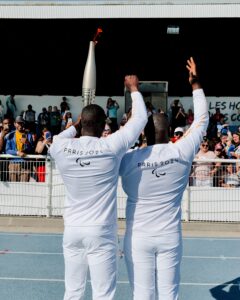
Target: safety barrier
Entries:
(34, 187)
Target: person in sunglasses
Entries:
(178, 133)
(204, 171)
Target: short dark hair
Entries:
(93, 116)
(156, 128)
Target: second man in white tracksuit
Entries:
(154, 179)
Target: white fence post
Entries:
(188, 203)
(49, 185)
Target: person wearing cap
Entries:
(89, 166)
(19, 143)
(178, 133)
(154, 179)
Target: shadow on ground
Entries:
(227, 291)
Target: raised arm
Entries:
(71, 132)
(199, 100)
(124, 138)
(190, 142)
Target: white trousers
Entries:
(95, 248)
(153, 265)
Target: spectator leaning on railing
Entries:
(203, 171)
(43, 144)
(19, 143)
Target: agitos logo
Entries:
(158, 173)
(82, 163)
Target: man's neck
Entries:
(90, 133)
(162, 142)
(161, 139)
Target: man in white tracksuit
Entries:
(154, 179)
(89, 167)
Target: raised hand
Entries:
(131, 83)
(191, 66)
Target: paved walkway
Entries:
(55, 225)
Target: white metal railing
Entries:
(212, 193)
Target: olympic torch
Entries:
(89, 76)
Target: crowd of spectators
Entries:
(218, 143)
(26, 134)
(29, 133)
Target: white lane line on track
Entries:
(30, 253)
(212, 239)
(31, 234)
(206, 284)
(31, 279)
(60, 235)
(211, 257)
(119, 282)
(4, 252)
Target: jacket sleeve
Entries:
(123, 139)
(10, 144)
(65, 134)
(191, 140)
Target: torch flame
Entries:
(97, 34)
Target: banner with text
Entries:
(230, 107)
